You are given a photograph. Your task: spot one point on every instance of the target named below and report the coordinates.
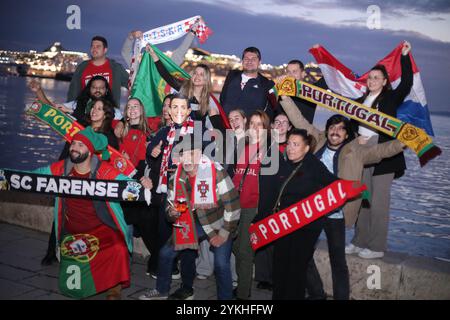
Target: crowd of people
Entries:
(206, 193)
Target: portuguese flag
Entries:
(149, 86)
(93, 262)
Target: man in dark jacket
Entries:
(248, 89)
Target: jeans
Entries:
(222, 266)
(167, 256)
(335, 232)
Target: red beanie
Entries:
(85, 140)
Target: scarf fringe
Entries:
(430, 154)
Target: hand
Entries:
(195, 26)
(125, 155)
(146, 183)
(217, 241)
(135, 34)
(406, 48)
(280, 78)
(35, 85)
(363, 139)
(62, 108)
(152, 53)
(157, 150)
(173, 214)
(316, 46)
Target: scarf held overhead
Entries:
(414, 138)
(303, 212)
(164, 34)
(67, 127)
(104, 190)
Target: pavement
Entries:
(22, 277)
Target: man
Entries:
(212, 210)
(248, 89)
(296, 69)
(345, 157)
(98, 225)
(113, 72)
(97, 87)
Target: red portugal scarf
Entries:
(303, 212)
(203, 196)
(186, 128)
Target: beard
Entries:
(77, 157)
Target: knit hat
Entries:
(95, 142)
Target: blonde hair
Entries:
(188, 89)
(142, 125)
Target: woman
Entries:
(301, 175)
(370, 239)
(281, 125)
(246, 182)
(133, 137)
(160, 149)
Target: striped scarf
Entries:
(186, 128)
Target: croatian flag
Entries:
(343, 81)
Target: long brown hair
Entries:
(108, 109)
(188, 89)
(142, 125)
(387, 87)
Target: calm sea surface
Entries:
(420, 205)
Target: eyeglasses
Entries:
(279, 123)
(250, 59)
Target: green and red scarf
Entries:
(202, 196)
(67, 127)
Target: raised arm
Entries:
(406, 82)
(171, 80)
(296, 117)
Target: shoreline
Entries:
(397, 276)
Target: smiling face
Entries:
(78, 151)
(98, 51)
(166, 110)
(376, 81)
(97, 113)
(296, 148)
(281, 124)
(250, 62)
(294, 70)
(97, 89)
(256, 128)
(237, 122)
(190, 160)
(336, 135)
(179, 110)
(199, 77)
(133, 111)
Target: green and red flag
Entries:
(93, 262)
(151, 88)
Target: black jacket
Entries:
(389, 103)
(310, 178)
(254, 96)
